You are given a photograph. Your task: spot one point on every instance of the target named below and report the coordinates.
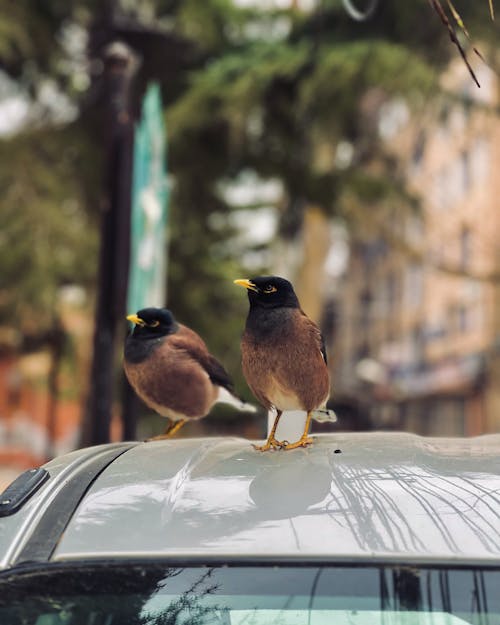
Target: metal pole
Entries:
(120, 65)
(131, 406)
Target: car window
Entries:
(152, 594)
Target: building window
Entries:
(418, 151)
(414, 230)
(465, 177)
(414, 281)
(459, 318)
(465, 252)
(391, 292)
(480, 161)
(463, 319)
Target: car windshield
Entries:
(153, 594)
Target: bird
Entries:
(283, 356)
(170, 368)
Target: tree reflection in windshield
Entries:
(152, 594)
(187, 608)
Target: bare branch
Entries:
(461, 24)
(436, 5)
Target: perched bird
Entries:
(283, 355)
(170, 368)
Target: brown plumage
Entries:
(283, 354)
(172, 371)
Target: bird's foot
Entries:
(160, 437)
(271, 443)
(170, 431)
(304, 441)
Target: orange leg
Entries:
(271, 442)
(304, 440)
(172, 429)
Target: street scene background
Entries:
(153, 151)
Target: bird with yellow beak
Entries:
(283, 355)
(170, 368)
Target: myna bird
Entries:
(283, 354)
(170, 368)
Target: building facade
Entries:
(419, 318)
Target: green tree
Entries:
(276, 92)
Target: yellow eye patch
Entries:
(154, 324)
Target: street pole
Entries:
(120, 65)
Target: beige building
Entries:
(418, 338)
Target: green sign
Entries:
(148, 251)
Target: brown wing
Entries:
(194, 345)
(289, 361)
(171, 380)
(312, 378)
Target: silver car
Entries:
(359, 529)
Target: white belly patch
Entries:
(283, 400)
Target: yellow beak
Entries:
(247, 284)
(135, 319)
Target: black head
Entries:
(153, 323)
(270, 292)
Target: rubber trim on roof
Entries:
(48, 531)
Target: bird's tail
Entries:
(324, 415)
(225, 397)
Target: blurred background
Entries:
(151, 151)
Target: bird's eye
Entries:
(154, 324)
(269, 288)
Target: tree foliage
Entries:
(48, 236)
(276, 92)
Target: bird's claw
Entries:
(304, 441)
(172, 429)
(271, 443)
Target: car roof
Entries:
(353, 497)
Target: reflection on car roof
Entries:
(387, 496)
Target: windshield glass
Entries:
(153, 594)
